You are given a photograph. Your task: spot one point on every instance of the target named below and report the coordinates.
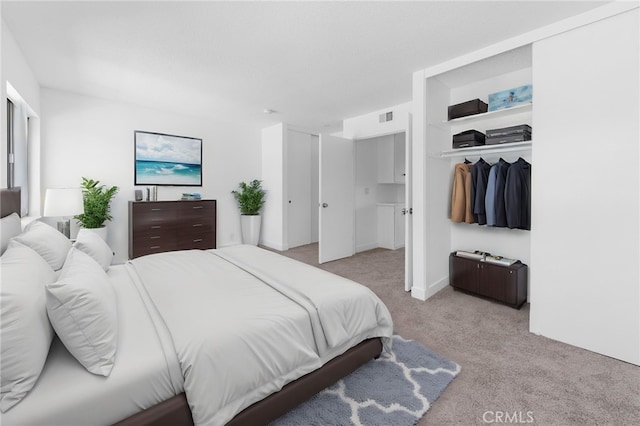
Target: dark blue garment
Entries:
(517, 195)
(501, 168)
(490, 196)
(479, 178)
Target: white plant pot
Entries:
(101, 232)
(250, 227)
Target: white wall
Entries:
(368, 125)
(16, 71)
(273, 231)
(87, 136)
(585, 287)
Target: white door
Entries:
(298, 188)
(408, 228)
(336, 201)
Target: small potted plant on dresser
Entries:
(250, 197)
(97, 205)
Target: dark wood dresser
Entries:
(505, 284)
(159, 226)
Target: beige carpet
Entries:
(508, 375)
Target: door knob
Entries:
(325, 205)
(403, 211)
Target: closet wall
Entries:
(585, 247)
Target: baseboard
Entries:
(438, 285)
(433, 288)
(365, 247)
(275, 246)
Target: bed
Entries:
(237, 335)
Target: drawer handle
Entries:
(196, 207)
(154, 247)
(155, 210)
(155, 237)
(156, 227)
(199, 240)
(196, 224)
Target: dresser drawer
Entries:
(153, 242)
(195, 227)
(150, 207)
(197, 209)
(204, 241)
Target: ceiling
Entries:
(315, 63)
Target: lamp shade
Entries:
(63, 202)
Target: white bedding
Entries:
(242, 335)
(143, 375)
(228, 327)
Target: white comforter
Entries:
(246, 321)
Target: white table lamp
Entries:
(64, 203)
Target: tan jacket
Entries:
(461, 207)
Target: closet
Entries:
(478, 80)
(583, 248)
(290, 177)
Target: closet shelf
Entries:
(487, 149)
(470, 119)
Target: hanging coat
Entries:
(461, 209)
(517, 195)
(480, 179)
(494, 198)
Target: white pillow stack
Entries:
(93, 245)
(82, 309)
(10, 226)
(48, 242)
(25, 331)
(80, 305)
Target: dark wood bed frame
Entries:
(175, 411)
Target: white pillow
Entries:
(10, 226)
(48, 242)
(92, 244)
(25, 332)
(82, 310)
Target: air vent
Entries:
(386, 116)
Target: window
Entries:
(17, 151)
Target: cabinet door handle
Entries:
(198, 240)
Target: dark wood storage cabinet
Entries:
(505, 284)
(159, 226)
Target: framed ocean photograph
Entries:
(167, 160)
(510, 98)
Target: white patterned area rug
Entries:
(395, 389)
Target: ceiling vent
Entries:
(386, 116)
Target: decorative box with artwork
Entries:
(167, 160)
(510, 98)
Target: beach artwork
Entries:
(167, 160)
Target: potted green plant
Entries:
(97, 206)
(250, 197)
